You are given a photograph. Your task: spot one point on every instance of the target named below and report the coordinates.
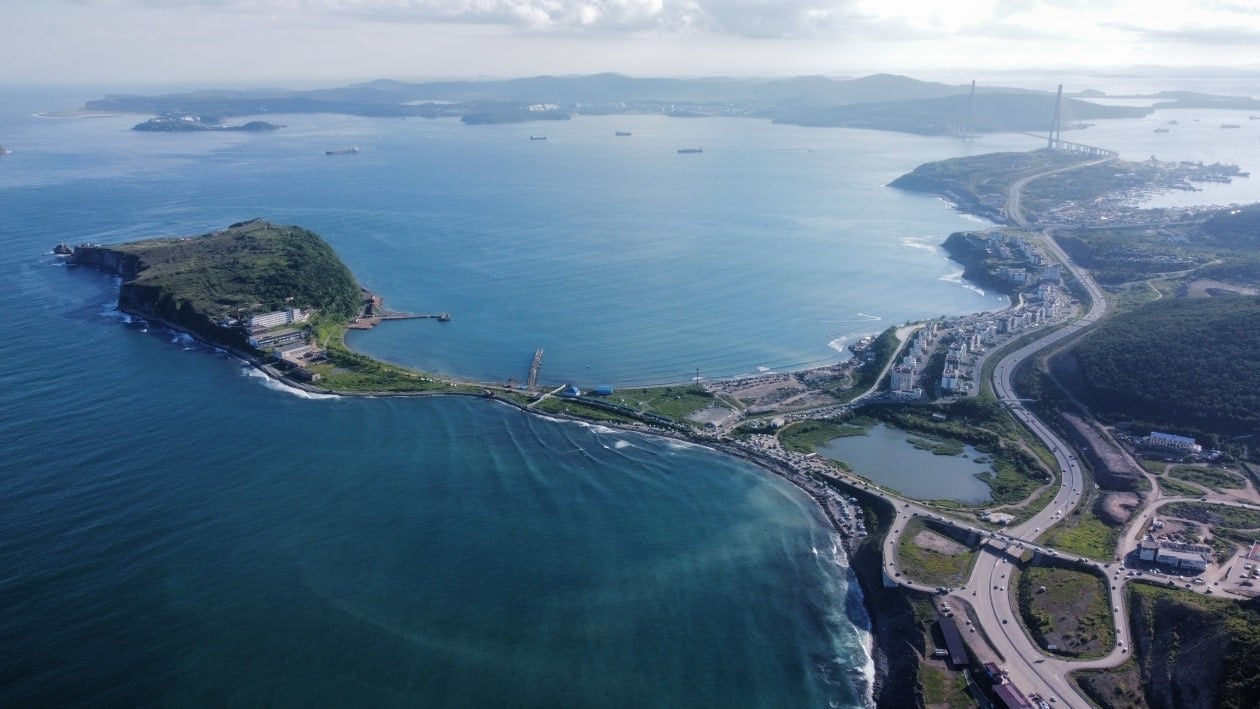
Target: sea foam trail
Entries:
(277, 386)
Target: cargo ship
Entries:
(690, 150)
(343, 151)
(537, 137)
(622, 133)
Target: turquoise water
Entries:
(885, 456)
(176, 531)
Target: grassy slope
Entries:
(256, 266)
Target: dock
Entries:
(367, 323)
(533, 369)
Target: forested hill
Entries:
(249, 268)
(1186, 362)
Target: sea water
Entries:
(178, 530)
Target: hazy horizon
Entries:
(333, 42)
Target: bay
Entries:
(175, 530)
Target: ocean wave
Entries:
(277, 386)
(622, 444)
(926, 243)
(110, 310)
(675, 444)
(838, 343)
(870, 318)
(954, 277)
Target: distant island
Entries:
(186, 122)
(879, 102)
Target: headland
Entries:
(938, 378)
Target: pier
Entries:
(367, 323)
(533, 369)
(441, 317)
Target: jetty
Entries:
(533, 369)
(369, 322)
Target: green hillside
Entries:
(249, 268)
(252, 265)
(1190, 362)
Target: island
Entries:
(879, 102)
(191, 123)
(1122, 481)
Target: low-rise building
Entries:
(276, 338)
(1181, 559)
(1168, 440)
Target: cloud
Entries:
(1235, 35)
(743, 18)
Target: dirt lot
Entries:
(928, 539)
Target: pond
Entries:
(886, 457)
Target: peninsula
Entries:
(1090, 478)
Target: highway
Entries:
(987, 593)
(990, 596)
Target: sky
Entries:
(330, 42)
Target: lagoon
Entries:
(885, 456)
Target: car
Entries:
(1116, 609)
(1003, 621)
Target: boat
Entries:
(343, 151)
(1230, 125)
(1171, 123)
(5, 151)
(690, 150)
(622, 133)
(63, 249)
(444, 317)
(1161, 130)
(537, 137)
(1253, 118)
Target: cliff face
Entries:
(969, 249)
(1182, 649)
(899, 640)
(110, 260)
(962, 200)
(251, 267)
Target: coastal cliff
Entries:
(898, 640)
(970, 249)
(962, 199)
(200, 283)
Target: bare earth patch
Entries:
(1116, 508)
(1210, 288)
(942, 545)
